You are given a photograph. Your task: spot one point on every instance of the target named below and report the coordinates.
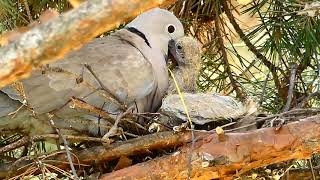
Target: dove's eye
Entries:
(179, 47)
(171, 28)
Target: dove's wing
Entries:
(116, 63)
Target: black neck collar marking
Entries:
(139, 33)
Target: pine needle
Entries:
(181, 97)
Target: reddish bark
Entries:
(239, 153)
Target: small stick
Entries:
(67, 149)
(25, 140)
(245, 126)
(101, 84)
(114, 128)
(264, 89)
(312, 170)
(291, 86)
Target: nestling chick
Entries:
(188, 63)
(205, 109)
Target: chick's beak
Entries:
(173, 53)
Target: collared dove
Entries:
(128, 65)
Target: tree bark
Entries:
(239, 153)
(51, 40)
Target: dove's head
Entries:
(159, 27)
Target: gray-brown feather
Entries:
(116, 63)
(118, 66)
(189, 64)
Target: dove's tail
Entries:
(15, 116)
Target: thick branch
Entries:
(238, 154)
(52, 40)
(141, 145)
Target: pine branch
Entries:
(42, 44)
(212, 158)
(239, 153)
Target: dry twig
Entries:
(66, 148)
(291, 86)
(25, 140)
(114, 128)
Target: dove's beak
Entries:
(173, 53)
